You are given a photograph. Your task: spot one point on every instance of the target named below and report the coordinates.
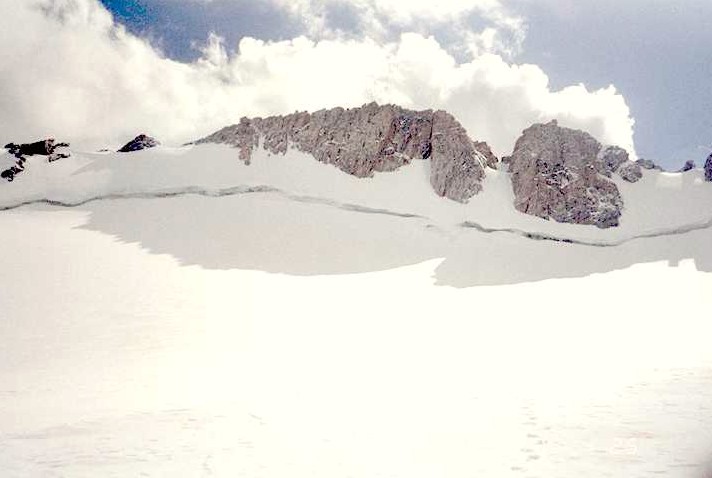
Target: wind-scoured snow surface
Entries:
(173, 312)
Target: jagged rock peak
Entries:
(560, 173)
(708, 168)
(140, 142)
(371, 138)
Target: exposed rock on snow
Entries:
(630, 172)
(456, 167)
(555, 175)
(140, 142)
(372, 138)
(708, 168)
(648, 164)
(46, 147)
(689, 166)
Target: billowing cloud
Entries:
(73, 73)
(503, 31)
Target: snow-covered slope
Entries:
(173, 312)
(661, 203)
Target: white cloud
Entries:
(72, 73)
(504, 32)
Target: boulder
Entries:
(140, 142)
(708, 168)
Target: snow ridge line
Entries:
(196, 191)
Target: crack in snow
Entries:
(194, 191)
(239, 190)
(233, 191)
(537, 236)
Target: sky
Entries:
(631, 72)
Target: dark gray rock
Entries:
(43, 147)
(140, 142)
(372, 138)
(555, 175)
(688, 166)
(708, 168)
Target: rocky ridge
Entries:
(557, 173)
(563, 174)
(369, 139)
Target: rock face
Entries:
(561, 174)
(708, 168)
(372, 138)
(456, 167)
(140, 142)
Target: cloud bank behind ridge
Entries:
(70, 71)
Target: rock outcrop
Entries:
(688, 166)
(140, 142)
(708, 168)
(46, 147)
(369, 139)
(456, 167)
(561, 174)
